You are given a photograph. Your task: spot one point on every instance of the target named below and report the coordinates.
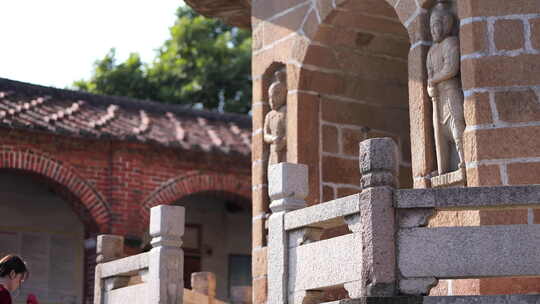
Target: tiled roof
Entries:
(232, 12)
(79, 114)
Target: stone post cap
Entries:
(287, 186)
(204, 283)
(379, 162)
(288, 180)
(167, 225)
(109, 248)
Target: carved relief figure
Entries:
(444, 88)
(275, 122)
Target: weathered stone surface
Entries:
(473, 37)
(323, 215)
(166, 258)
(325, 263)
(417, 217)
(416, 286)
(277, 259)
(275, 122)
(518, 106)
(303, 236)
(469, 198)
(128, 295)
(477, 109)
(288, 186)
(444, 88)
(502, 299)
(524, 173)
(450, 179)
(379, 162)
(509, 34)
(493, 71)
(167, 225)
(485, 251)
(109, 247)
(378, 247)
(125, 267)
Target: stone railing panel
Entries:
(154, 277)
(469, 252)
(315, 266)
(326, 215)
(469, 198)
(127, 295)
(128, 266)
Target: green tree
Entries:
(204, 64)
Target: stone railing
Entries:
(154, 277)
(390, 256)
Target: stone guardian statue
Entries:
(275, 122)
(444, 88)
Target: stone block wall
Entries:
(349, 67)
(348, 70)
(500, 67)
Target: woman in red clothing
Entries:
(13, 272)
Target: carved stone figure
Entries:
(444, 88)
(275, 122)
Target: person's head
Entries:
(441, 22)
(278, 90)
(13, 272)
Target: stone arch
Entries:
(192, 183)
(411, 19)
(360, 56)
(87, 202)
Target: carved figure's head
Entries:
(278, 90)
(441, 22)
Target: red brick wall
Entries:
(111, 185)
(500, 67)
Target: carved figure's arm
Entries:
(432, 91)
(429, 66)
(451, 61)
(268, 137)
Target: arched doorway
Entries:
(218, 239)
(47, 225)
(218, 228)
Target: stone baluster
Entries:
(166, 258)
(376, 225)
(108, 248)
(288, 188)
(204, 283)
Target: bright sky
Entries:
(55, 42)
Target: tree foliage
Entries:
(204, 64)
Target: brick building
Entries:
(357, 69)
(74, 165)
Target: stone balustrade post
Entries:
(379, 165)
(204, 283)
(108, 248)
(288, 188)
(166, 258)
